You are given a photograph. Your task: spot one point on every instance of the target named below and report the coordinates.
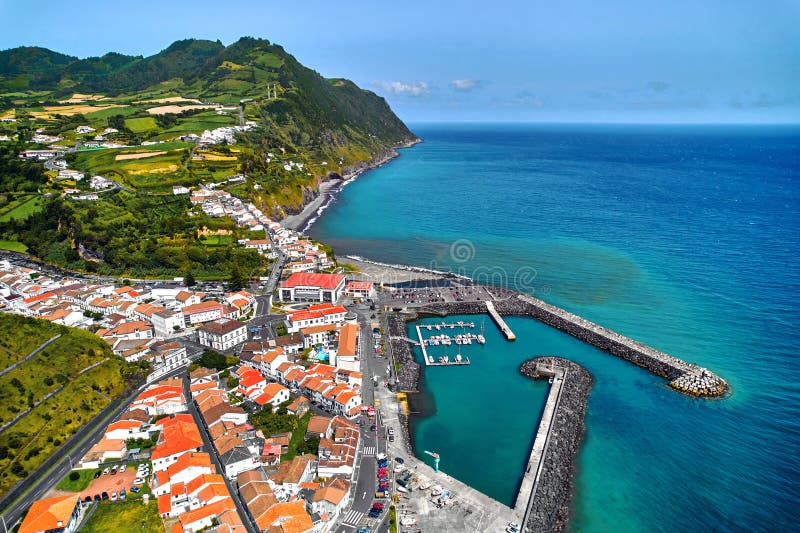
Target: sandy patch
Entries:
(206, 231)
(77, 98)
(156, 170)
(169, 100)
(138, 155)
(217, 157)
(161, 110)
(69, 110)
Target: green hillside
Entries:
(66, 367)
(307, 126)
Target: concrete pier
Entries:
(533, 469)
(500, 322)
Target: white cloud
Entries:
(464, 85)
(404, 88)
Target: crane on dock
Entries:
(435, 459)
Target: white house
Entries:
(167, 322)
(70, 174)
(222, 334)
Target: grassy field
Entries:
(130, 516)
(141, 125)
(85, 476)
(14, 246)
(19, 336)
(160, 171)
(110, 112)
(78, 396)
(217, 240)
(21, 207)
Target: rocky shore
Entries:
(329, 190)
(549, 505)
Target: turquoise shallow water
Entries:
(683, 237)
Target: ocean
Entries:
(683, 237)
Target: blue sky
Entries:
(501, 60)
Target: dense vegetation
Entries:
(308, 126)
(61, 368)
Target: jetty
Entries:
(429, 359)
(500, 322)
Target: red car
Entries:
(377, 505)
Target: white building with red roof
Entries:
(312, 287)
(273, 394)
(161, 400)
(315, 315)
(360, 289)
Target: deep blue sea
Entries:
(684, 237)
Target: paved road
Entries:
(241, 508)
(365, 475)
(88, 436)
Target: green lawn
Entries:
(14, 246)
(110, 112)
(85, 477)
(141, 125)
(298, 437)
(126, 517)
(21, 208)
(217, 240)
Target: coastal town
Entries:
(195, 442)
(184, 348)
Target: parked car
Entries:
(135, 489)
(106, 470)
(400, 460)
(122, 494)
(98, 474)
(138, 481)
(114, 471)
(104, 495)
(87, 499)
(123, 468)
(97, 497)
(114, 496)
(377, 505)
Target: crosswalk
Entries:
(352, 518)
(370, 450)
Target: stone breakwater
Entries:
(409, 372)
(683, 376)
(549, 502)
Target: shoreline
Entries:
(329, 190)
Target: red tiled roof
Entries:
(306, 279)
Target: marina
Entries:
(443, 338)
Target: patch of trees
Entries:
(216, 361)
(130, 233)
(19, 175)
